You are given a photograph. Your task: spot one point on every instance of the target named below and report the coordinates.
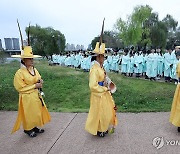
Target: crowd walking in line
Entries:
(153, 64)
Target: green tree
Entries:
(143, 28)
(135, 30)
(123, 31)
(163, 32)
(171, 25)
(46, 41)
(159, 34)
(177, 37)
(170, 22)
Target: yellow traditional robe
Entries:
(101, 113)
(30, 111)
(175, 109)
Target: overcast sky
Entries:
(79, 20)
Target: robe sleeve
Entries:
(20, 85)
(93, 82)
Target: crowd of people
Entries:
(152, 64)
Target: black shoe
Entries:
(106, 132)
(100, 134)
(31, 133)
(146, 77)
(178, 129)
(37, 130)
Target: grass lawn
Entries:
(67, 90)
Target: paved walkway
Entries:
(65, 134)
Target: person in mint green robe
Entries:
(130, 64)
(73, 60)
(138, 66)
(175, 62)
(67, 61)
(160, 63)
(144, 63)
(115, 63)
(168, 64)
(106, 65)
(109, 59)
(124, 62)
(152, 65)
(63, 60)
(88, 63)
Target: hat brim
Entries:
(21, 56)
(177, 47)
(93, 53)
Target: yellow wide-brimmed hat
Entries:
(26, 53)
(99, 49)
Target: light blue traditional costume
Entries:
(109, 59)
(174, 62)
(152, 65)
(167, 63)
(138, 60)
(160, 64)
(125, 59)
(130, 65)
(115, 63)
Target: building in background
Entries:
(15, 42)
(8, 44)
(12, 46)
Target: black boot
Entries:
(146, 77)
(106, 132)
(178, 129)
(31, 133)
(100, 134)
(37, 130)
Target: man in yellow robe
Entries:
(101, 113)
(32, 111)
(175, 109)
